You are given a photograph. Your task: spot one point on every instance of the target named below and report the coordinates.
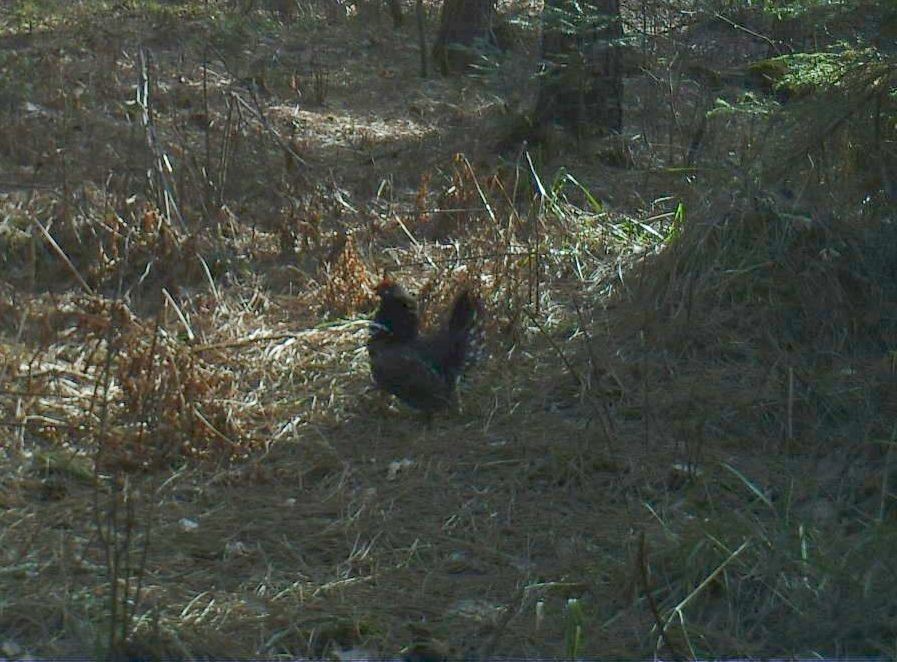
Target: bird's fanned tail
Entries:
(466, 331)
(423, 370)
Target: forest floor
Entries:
(195, 460)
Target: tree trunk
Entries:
(395, 11)
(582, 83)
(422, 36)
(464, 27)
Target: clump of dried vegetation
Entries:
(682, 441)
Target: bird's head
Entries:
(397, 313)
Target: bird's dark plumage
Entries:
(422, 370)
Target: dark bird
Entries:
(422, 370)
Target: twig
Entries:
(160, 158)
(207, 124)
(414, 241)
(209, 279)
(737, 26)
(790, 424)
(212, 428)
(456, 259)
(535, 294)
(882, 506)
(606, 420)
(62, 256)
(642, 563)
(7, 186)
(177, 311)
(563, 357)
(677, 610)
(226, 148)
(40, 420)
(483, 198)
(260, 115)
(422, 37)
(232, 344)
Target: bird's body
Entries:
(422, 370)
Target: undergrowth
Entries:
(682, 443)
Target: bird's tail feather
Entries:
(466, 328)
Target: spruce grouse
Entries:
(422, 370)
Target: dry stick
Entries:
(32, 257)
(232, 344)
(790, 428)
(480, 192)
(207, 127)
(9, 186)
(128, 492)
(513, 219)
(457, 259)
(422, 37)
(414, 241)
(122, 602)
(606, 420)
(677, 610)
(226, 148)
(888, 183)
(62, 256)
(28, 394)
(177, 311)
(193, 171)
(642, 562)
(537, 217)
(557, 350)
(882, 506)
(209, 279)
(212, 428)
(737, 26)
(151, 500)
(109, 549)
(160, 158)
(260, 115)
(646, 428)
(233, 104)
(42, 420)
(452, 210)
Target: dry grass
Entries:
(686, 424)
